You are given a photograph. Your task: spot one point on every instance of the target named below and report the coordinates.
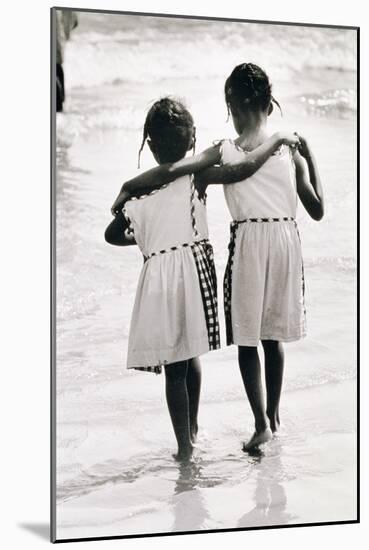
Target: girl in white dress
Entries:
(264, 279)
(175, 312)
(175, 317)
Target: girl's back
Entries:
(175, 313)
(264, 283)
(170, 216)
(270, 192)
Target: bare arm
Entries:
(309, 187)
(116, 232)
(165, 173)
(228, 173)
(253, 160)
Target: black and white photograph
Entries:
(204, 274)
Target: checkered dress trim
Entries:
(227, 285)
(156, 370)
(192, 208)
(204, 259)
(139, 197)
(176, 247)
(227, 282)
(302, 277)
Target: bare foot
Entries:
(258, 438)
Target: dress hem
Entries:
(255, 341)
(184, 357)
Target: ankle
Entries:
(185, 451)
(261, 425)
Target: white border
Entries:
(25, 268)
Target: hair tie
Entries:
(276, 102)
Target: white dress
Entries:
(175, 312)
(264, 279)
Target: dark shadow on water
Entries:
(270, 499)
(255, 455)
(189, 508)
(189, 475)
(42, 530)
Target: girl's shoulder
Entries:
(135, 198)
(135, 205)
(227, 149)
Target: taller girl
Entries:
(264, 278)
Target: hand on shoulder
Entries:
(291, 139)
(303, 147)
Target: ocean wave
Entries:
(71, 125)
(146, 50)
(333, 102)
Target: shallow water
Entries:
(305, 475)
(114, 435)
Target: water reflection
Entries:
(270, 499)
(189, 475)
(189, 508)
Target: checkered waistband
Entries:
(177, 247)
(262, 220)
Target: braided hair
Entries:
(169, 125)
(248, 87)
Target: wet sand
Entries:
(307, 474)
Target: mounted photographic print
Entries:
(204, 274)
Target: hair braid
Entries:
(144, 137)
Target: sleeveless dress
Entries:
(175, 315)
(264, 278)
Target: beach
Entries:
(306, 475)
(115, 471)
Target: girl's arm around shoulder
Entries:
(116, 232)
(250, 163)
(164, 174)
(170, 171)
(309, 187)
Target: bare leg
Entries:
(178, 405)
(193, 382)
(274, 366)
(248, 359)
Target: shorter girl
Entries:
(175, 316)
(175, 312)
